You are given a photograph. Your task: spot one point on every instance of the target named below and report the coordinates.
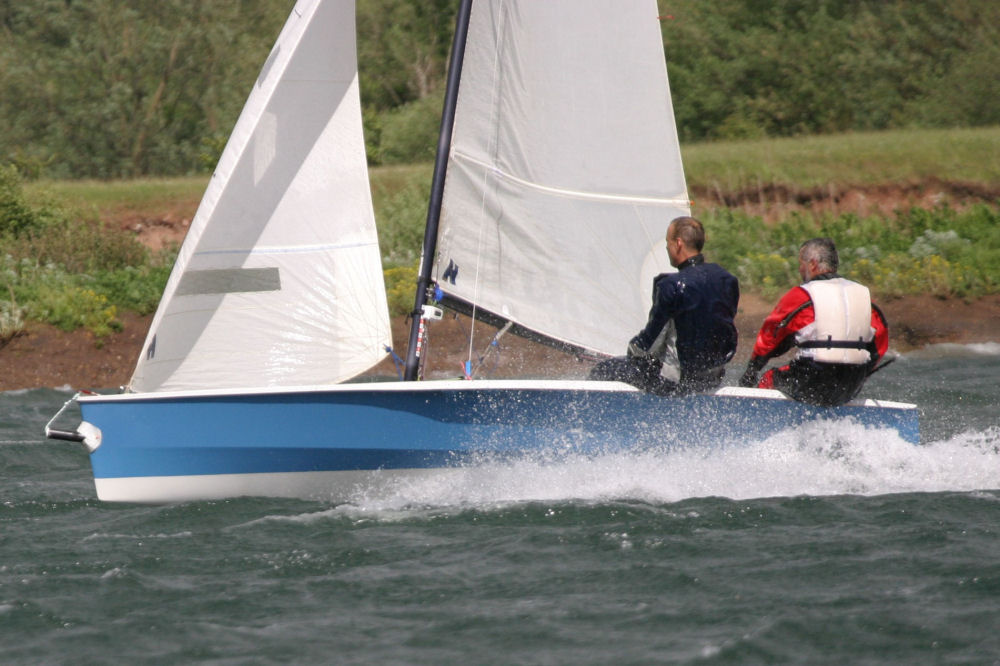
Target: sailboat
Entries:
(558, 171)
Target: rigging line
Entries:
(469, 336)
(494, 346)
(494, 105)
(562, 191)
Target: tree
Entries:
(102, 89)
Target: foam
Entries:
(826, 458)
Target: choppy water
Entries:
(829, 545)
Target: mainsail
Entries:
(564, 170)
(279, 281)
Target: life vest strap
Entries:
(791, 315)
(830, 343)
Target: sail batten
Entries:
(583, 194)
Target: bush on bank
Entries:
(69, 272)
(942, 252)
(73, 273)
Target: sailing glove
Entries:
(749, 378)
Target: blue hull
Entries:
(365, 427)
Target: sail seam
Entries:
(567, 192)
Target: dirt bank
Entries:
(45, 356)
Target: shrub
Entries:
(409, 134)
(733, 236)
(402, 218)
(70, 273)
(944, 243)
(11, 321)
(17, 216)
(80, 247)
(940, 251)
(50, 294)
(136, 288)
(400, 287)
(74, 307)
(769, 274)
(11, 314)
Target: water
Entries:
(826, 545)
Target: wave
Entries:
(137, 537)
(831, 458)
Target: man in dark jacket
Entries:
(692, 309)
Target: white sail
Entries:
(279, 280)
(564, 169)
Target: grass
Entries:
(114, 195)
(863, 158)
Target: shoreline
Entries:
(46, 357)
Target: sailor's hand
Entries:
(635, 351)
(749, 378)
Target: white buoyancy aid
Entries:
(843, 322)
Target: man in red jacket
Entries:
(839, 332)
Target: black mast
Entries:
(437, 185)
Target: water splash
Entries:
(825, 458)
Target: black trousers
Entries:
(644, 373)
(823, 384)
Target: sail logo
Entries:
(451, 272)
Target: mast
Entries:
(437, 186)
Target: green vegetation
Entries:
(67, 270)
(841, 160)
(58, 264)
(399, 288)
(149, 92)
(99, 89)
(940, 252)
(857, 158)
(114, 196)
(400, 196)
(754, 68)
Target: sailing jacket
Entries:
(793, 323)
(840, 335)
(700, 300)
